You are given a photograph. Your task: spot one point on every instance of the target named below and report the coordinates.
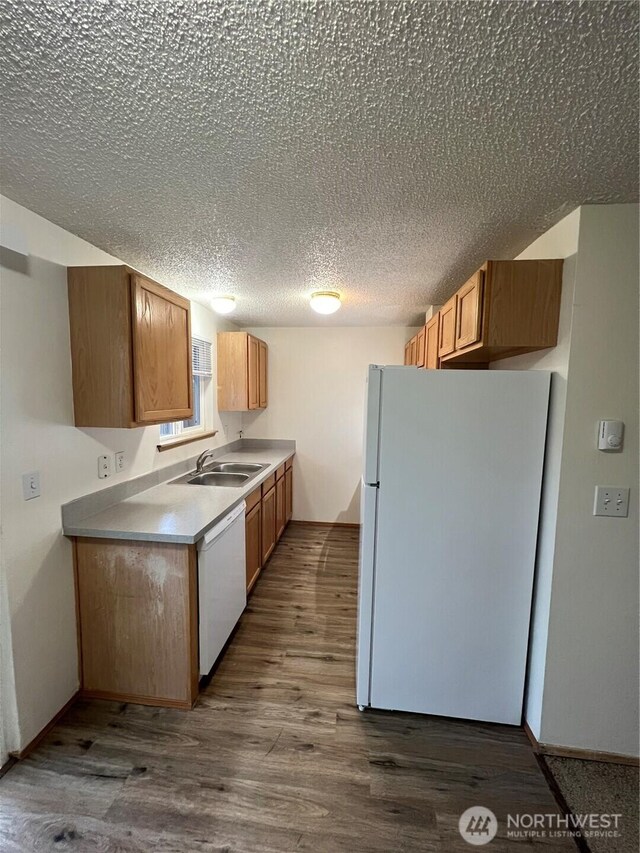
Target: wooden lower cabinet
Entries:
(269, 509)
(137, 607)
(288, 495)
(281, 520)
(253, 537)
(268, 524)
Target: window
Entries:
(201, 369)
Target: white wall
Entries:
(561, 241)
(582, 687)
(316, 396)
(38, 435)
(591, 682)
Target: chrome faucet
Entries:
(202, 459)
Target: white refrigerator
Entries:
(453, 464)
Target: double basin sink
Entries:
(230, 474)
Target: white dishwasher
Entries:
(222, 584)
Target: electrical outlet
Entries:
(104, 467)
(119, 461)
(611, 501)
(31, 485)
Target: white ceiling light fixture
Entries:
(325, 301)
(223, 304)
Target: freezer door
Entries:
(372, 424)
(366, 580)
(461, 456)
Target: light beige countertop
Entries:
(170, 512)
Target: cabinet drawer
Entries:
(289, 463)
(269, 483)
(280, 472)
(254, 498)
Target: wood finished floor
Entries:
(275, 757)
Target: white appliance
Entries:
(222, 584)
(450, 501)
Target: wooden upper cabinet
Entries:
(413, 348)
(507, 308)
(431, 331)
(263, 355)
(161, 353)
(407, 353)
(469, 311)
(242, 372)
(254, 372)
(447, 331)
(130, 349)
(420, 343)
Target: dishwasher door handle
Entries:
(210, 537)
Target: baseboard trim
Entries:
(7, 765)
(582, 754)
(22, 753)
(350, 524)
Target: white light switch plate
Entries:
(31, 485)
(611, 501)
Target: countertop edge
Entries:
(78, 531)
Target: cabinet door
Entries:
(161, 353)
(447, 333)
(281, 519)
(253, 539)
(268, 524)
(262, 375)
(412, 351)
(431, 342)
(469, 312)
(288, 495)
(407, 353)
(420, 341)
(253, 378)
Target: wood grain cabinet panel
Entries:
(407, 353)
(288, 492)
(253, 541)
(137, 606)
(161, 353)
(242, 372)
(281, 517)
(469, 312)
(420, 348)
(507, 308)
(130, 349)
(253, 382)
(268, 524)
(447, 331)
(263, 390)
(413, 351)
(431, 330)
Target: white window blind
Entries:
(201, 357)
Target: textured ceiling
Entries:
(267, 148)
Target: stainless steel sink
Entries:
(229, 474)
(237, 467)
(217, 478)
